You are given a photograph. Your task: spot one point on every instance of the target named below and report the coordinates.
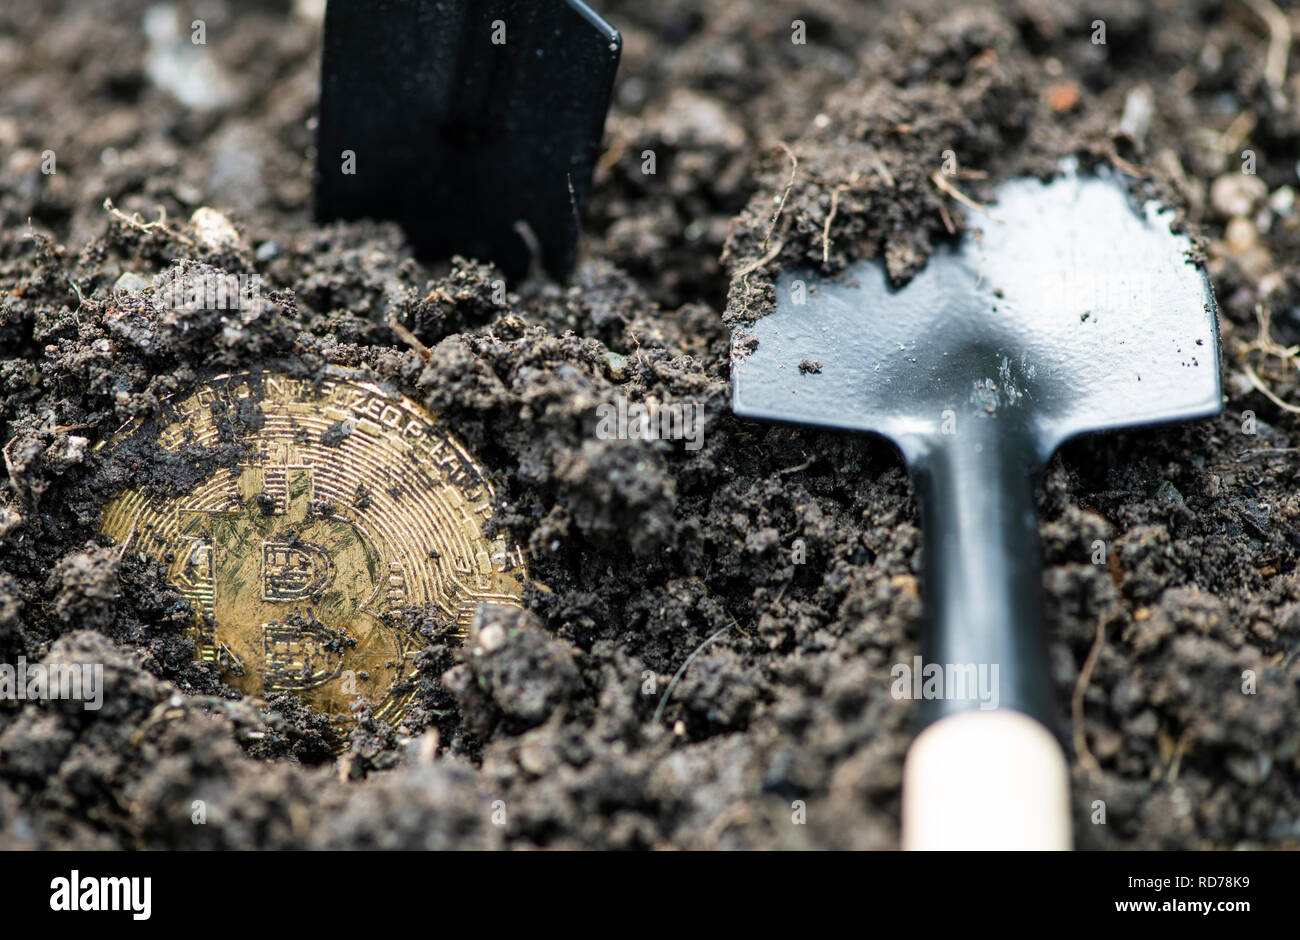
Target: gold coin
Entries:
(350, 506)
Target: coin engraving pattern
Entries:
(351, 506)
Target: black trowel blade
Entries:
(1069, 309)
(465, 118)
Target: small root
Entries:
(1081, 751)
(754, 265)
(134, 221)
(1126, 167)
(944, 186)
(410, 339)
(1279, 41)
(1267, 346)
(826, 230)
(659, 712)
(947, 218)
(780, 206)
(878, 165)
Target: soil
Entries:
(779, 566)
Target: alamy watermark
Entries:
(76, 892)
(76, 682)
(954, 682)
(622, 420)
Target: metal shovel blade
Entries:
(476, 124)
(1069, 310)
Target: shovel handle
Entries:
(985, 771)
(986, 780)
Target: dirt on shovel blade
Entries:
(778, 566)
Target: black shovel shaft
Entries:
(983, 571)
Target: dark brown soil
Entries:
(641, 552)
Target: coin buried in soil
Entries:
(350, 506)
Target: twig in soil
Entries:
(1125, 166)
(659, 712)
(1264, 343)
(878, 165)
(944, 186)
(947, 218)
(1236, 133)
(609, 159)
(830, 217)
(410, 339)
(428, 747)
(753, 266)
(795, 469)
(81, 301)
(525, 232)
(735, 813)
(726, 245)
(780, 206)
(134, 221)
(1266, 452)
(126, 542)
(1264, 390)
(9, 467)
(1081, 750)
(1179, 750)
(1279, 41)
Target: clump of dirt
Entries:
(784, 561)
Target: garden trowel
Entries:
(1071, 309)
(476, 124)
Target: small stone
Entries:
(1107, 743)
(1139, 107)
(1063, 96)
(310, 11)
(1234, 195)
(214, 230)
(10, 133)
(267, 251)
(10, 519)
(187, 194)
(616, 366)
(1250, 769)
(130, 282)
(1241, 235)
(1169, 495)
(1242, 241)
(535, 759)
(1282, 201)
(1145, 725)
(187, 72)
(491, 637)
(237, 168)
(74, 451)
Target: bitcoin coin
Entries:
(350, 506)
